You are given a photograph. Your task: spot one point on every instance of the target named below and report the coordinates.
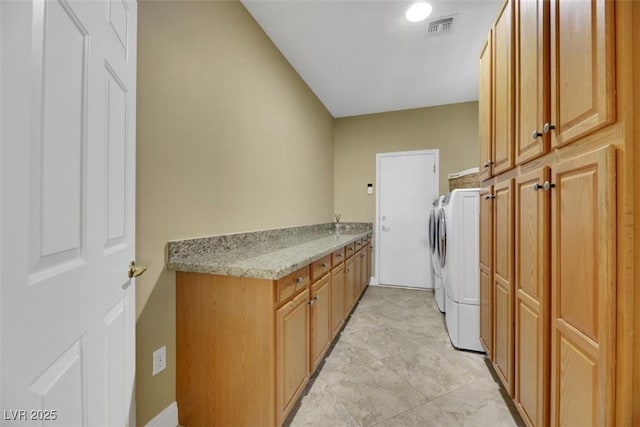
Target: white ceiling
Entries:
(362, 57)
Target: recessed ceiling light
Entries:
(418, 12)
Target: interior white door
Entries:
(407, 185)
(68, 84)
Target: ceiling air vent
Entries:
(442, 25)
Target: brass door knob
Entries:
(136, 270)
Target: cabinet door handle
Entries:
(548, 186)
(348, 270)
(340, 255)
(489, 197)
(351, 249)
(537, 186)
(324, 265)
(317, 297)
(535, 134)
(547, 127)
(488, 163)
(299, 279)
(310, 302)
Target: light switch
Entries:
(369, 188)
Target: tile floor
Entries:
(393, 365)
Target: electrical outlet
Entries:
(159, 360)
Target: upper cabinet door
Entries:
(532, 78)
(503, 92)
(582, 68)
(485, 115)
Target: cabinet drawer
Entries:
(337, 257)
(291, 284)
(320, 267)
(351, 249)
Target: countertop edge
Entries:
(232, 269)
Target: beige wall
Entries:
(229, 139)
(453, 129)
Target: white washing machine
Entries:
(459, 230)
(435, 253)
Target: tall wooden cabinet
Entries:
(485, 116)
(583, 92)
(532, 297)
(503, 92)
(583, 289)
(532, 78)
(503, 279)
(486, 270)
(556, 301)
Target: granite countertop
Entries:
(271, 257)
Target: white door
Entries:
(407, 185)
(68, 84)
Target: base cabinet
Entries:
(247, 347)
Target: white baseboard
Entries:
(373, 281)
(168, 417)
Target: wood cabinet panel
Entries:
(357, 281)
(337, 257)
(350, 283)
(532, 298)
(292, 284)
(486, 270)
(485, 116)
(292, 353)
(532, 78)
(503, 91)
(320, 267)
(486, 313)
(503, 276)
(364, 281)
(583, 289)
(338, 284)
(321, 332)
(211, 313)
(582, 68)
(350, 250)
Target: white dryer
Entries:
(435, 253)
(459, 242)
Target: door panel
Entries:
(503, 276)
(337, 298)
(68, 204)
(503, 90)
(532, 78)
(485, 116)
(407, 184)
(582, 44)
(583, 289)
(532, 297)
(292, 352)
(486, 270)
(320, 320)
(350, 284)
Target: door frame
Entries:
(376, 223)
